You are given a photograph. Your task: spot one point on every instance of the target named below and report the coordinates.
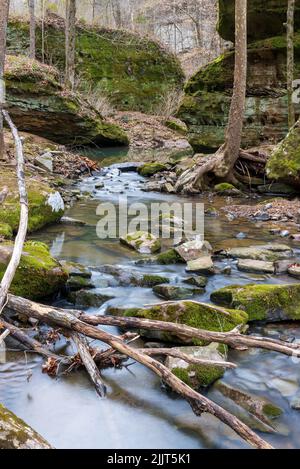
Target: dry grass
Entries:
(96, 97)
(169, 103)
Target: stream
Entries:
(137, 412)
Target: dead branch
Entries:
(65, 319)
(20, 238)
(89, 363)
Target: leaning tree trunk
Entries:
(31, 8)
(290, 60)
(70, 42)
(220, 165)
(4, 7)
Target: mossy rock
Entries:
(284, 162)
(149, 169)
(5, 230)
(205, 107)
(39, 104)
(38, 276)
(133, 71)
(198, 315)
(16, 434)
(198, 376)
(45, 205)
(168, 257)
(177, 126)
(142, 242)
(150, 280)
(265, 18)
(270, 303)
(224, 188)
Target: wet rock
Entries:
(295, 402)
(198, 281)
(261, 408)
(269, 252)
(198, 376)
(285, 387)
(45, 161)
(270, 303)
(126, 276)
(99, 185)
(191, 313)
(226, 270)
(176, 292)
(168, 257)
(72, 221)
(77, 283)
(276, 188)
(153, 186)
(149, 169)
(89, 298)
(142, 242)
(294, 271)
(38, 276)
(193, 250)
(281, 267)
(16, 434)
(76, 270)
(127, 167)
(203, 265)
(227, 189)
(252, 266)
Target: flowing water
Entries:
(137, 412)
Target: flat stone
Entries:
(193, 250)
(142, 242)
(294, 271)
(198, 281)
(76, 270)
(252, 266)
(176, 292)
(72, 221)
(269, 252)
(45, 161)
(203, 265)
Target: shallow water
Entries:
(137, 413)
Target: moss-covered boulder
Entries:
(177, 292)
(284, 162)
(16, 434)
(149, 169)
(38, 275)
(262, 302)
(198, 376)
(191, 313)
(45, 204)
(39, 104)
(142, 242)
(132, 70)
(266, 18)
(205, 107)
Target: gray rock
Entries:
(269, 252)
(142, 242)
(45, 161)
(72, 221)
(193, 250)
(198, 281)
(203, 265)
(89, 298)
(176, 292)
(252, 266)
(294, 271)
(76, 270)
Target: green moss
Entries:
(152, 280)
(133, 71)
(40, 212)
(149, 169)
(272, 411)
(176, 125)
(38, 275)
(224, 186)
(262, 302)
(169, 257)
(5, 230)
(198, 315)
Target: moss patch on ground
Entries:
(38, 276)
(262, 302)
(149, 169)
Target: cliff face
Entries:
(40, 105)
(132, 71)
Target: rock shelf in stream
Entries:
(191, 313)
(270, 303)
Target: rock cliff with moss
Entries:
(132, 70)
(206, 104)
(38, 103)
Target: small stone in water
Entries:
(226, 270)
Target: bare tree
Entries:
(290, 60)
(4, 8)
(221, 164)
(70, 42)
(31, 8)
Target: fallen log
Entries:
(234, 339)
(199, 403)
(89, 363)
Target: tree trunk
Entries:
(70, 43)
(220, 165)
(4, 8)
(290, 60)
(31, 7)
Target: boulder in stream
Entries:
(198, 376)
(192, 250)
(269, 252)
(16, 434)
(270, 303)
(256, 267)
(191, 313)
(203, 265)
(177, 292)
(142, 242)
